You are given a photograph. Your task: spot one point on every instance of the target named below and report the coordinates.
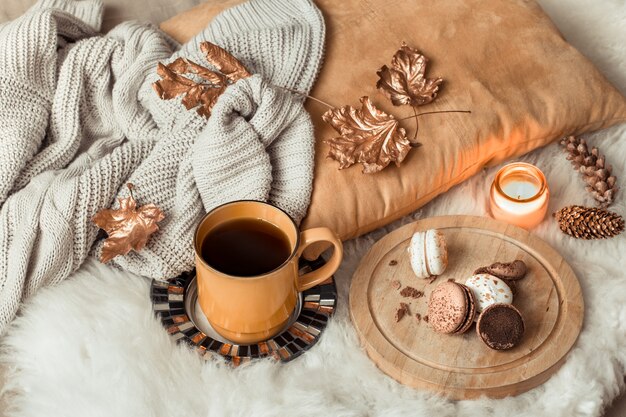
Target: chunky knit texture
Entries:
(79, 119)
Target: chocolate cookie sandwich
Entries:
(451, 308)
(500, 326)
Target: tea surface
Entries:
(246, 247)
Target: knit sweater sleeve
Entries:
(28, 58)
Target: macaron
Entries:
(489, 290)
(428, 253)
(451, 308)
(501, 326)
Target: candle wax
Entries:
(520, 190)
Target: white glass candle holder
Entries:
(520, 195)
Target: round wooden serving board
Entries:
(461, 366)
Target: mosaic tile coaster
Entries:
(174, 302)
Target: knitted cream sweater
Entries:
(79, 119)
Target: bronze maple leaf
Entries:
(368, 136)
(224, 62)
(202, 95)
(405, 82)
(128, 227)
(195, 94)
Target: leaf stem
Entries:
(417, 125)
(130, 190)
(434, 112)
(305, 95)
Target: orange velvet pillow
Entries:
(502, 59)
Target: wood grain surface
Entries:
(461, 366)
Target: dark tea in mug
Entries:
(246, 247)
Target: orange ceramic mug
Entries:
(251, 309)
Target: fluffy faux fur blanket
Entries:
(92, 347)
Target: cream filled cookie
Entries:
(451, 308)
(489, 290)
(428, 253)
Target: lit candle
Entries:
(520, 195)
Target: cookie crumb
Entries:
(395, 284)
(418, 316)
(405, 307)
(411, 292)
(393, 262)
(402, 311)
(426, 319)
(450, 279)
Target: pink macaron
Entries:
(451, 308)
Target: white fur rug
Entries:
(92, 347)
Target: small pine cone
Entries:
(601, 184)
(589, 222)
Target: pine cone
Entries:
(589, 222)
(600, 183)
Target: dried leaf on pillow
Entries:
(128, 227)
(405, 82)
(200, 95)
(224, 62)
(368, 136)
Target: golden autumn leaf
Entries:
(186, 66)
(405, 82)
(223, 61)
(128, 227)
(200, 95)
(195, 94)
(368, 136)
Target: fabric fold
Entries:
(231, 158)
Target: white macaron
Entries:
(489, 290)
(428, 253)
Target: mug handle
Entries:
(308, 237)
